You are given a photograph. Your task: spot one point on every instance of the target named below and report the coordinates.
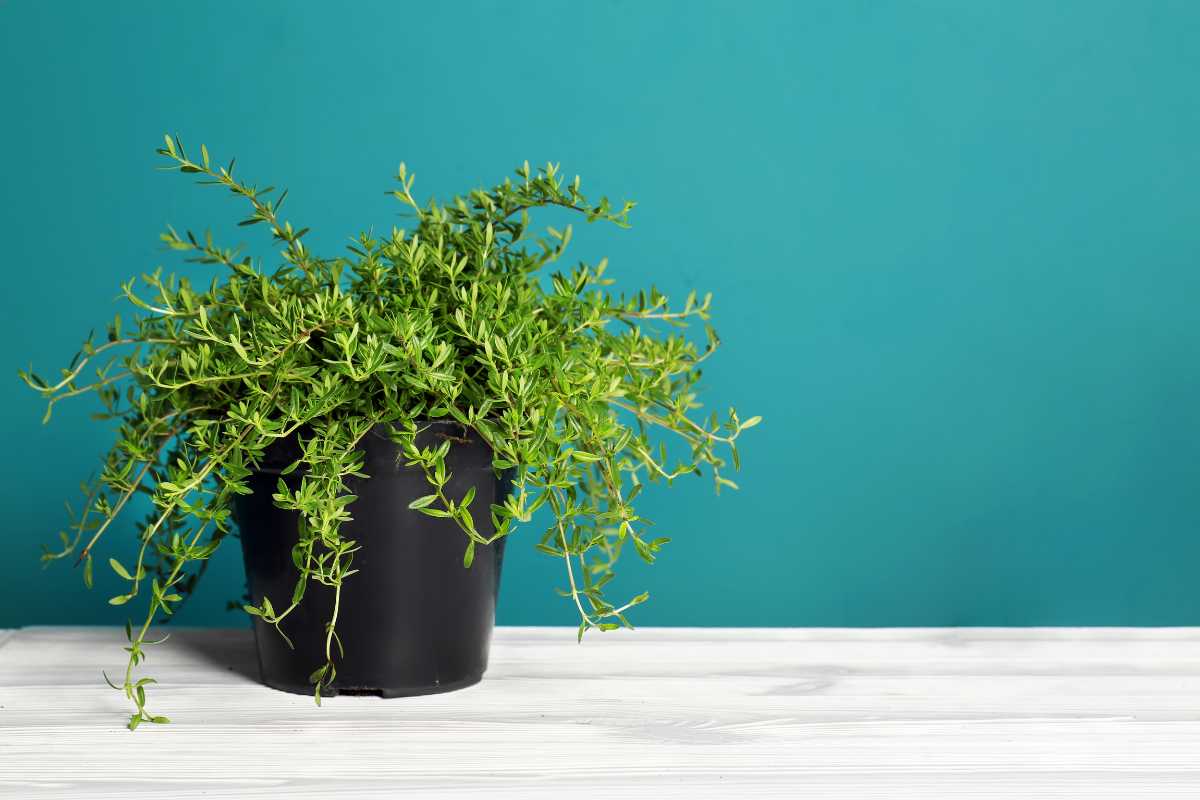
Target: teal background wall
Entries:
(954, 248)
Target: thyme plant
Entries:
(568, 383)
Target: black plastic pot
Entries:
(413, 620)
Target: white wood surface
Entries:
(695, 713)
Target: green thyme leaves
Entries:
(585, 395)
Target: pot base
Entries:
(385, 694)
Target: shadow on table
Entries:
(219, 648)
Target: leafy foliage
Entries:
(564, 380)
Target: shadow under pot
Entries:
(413, 620)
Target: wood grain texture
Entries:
(696, 713)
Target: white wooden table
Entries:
(695, 713)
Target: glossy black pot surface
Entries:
(413, 620)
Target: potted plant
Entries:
(377, 423)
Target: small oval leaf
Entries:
(422, 502)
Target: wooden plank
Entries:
(652, 713)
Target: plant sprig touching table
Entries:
(570, 385)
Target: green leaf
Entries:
(120, 599)
(119, 569)
(469, 555)
(422, 502)
(435, 512)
